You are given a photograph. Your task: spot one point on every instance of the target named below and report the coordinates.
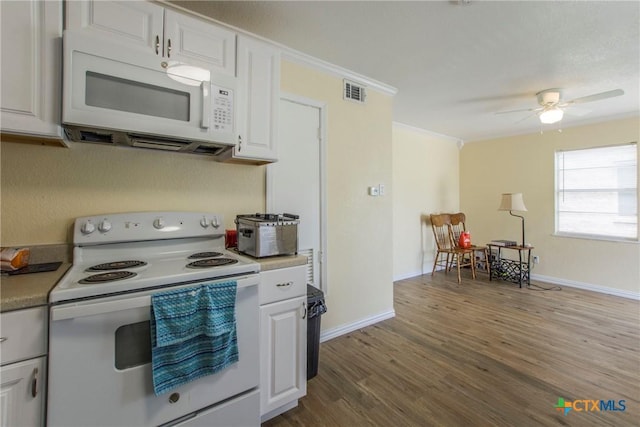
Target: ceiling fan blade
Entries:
(527, 117)
(518, 111)
(576, 111)
(597, 96)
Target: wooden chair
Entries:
(458, 225)
(442, 232)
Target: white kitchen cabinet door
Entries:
(258, 98)
(199, 43)
(283, 343)
(31, 68)
(22, 393)
(138, 24)
(153, 29)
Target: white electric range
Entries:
(99, 355)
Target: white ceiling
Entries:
(457, 63)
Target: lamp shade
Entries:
(512, 202)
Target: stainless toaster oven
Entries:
(263, 235)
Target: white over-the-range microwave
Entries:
(114, 95)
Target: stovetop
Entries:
(193, 253)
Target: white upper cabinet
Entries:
(154, 29)
(31, 69)
(137, 23)
(258, 98)
(200, 43)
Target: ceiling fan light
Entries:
(551, 115)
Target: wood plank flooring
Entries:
(479, 354)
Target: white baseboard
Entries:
(345, 329)
(409, 275)
(587, 286)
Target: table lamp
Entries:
(513, 202)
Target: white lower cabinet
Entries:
(23, 344)
(22, 393)
(283, 342)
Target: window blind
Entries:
(597, 192)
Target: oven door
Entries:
(100, 363)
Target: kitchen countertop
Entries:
(282, 261)
(28, 290)
(32, 290)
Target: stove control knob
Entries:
(87, 228)
(104, 226)
(204, 223)
(158, 223)
(214, 222)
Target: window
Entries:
(596, 192)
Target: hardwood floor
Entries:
(480, 354)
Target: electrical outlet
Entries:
(536, 259)
(381, 189)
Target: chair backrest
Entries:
(440, 224)
(457, 226)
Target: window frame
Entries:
(557, 192)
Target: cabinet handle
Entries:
(3, 339)
(168, 48)
(239, 143)
(157, 44)
(34, 383)
(304, 305)
(280, 285)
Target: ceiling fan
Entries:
(552, 106)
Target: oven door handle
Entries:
(92, 309)
(88, 308)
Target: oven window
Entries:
(119, 94)
(133, 345)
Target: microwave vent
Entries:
(148, 141)
(156, 144)
(102, 138)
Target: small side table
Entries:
(516, 271)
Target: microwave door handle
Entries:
(205, 90)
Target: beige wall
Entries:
(526, 164)
(45, 188)
(425, 181)
(359, 254)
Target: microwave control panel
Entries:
(222, 108)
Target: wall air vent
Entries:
(354, 92)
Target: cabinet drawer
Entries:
(281, 284)
(23, 334)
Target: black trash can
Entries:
(315, 309)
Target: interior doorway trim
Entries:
(322, 107)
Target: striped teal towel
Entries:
(193, 333)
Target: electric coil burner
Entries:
(117, 265)
(211, 262)
(201, 255)
(107, 277)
